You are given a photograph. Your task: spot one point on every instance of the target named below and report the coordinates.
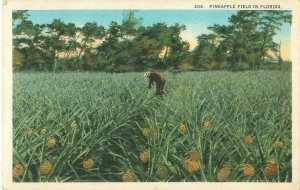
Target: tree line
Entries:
(242, 44)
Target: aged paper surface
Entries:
(167, 5)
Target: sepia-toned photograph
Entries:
(151, 95)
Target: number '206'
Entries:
(198, 6)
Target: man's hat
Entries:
(147, 74)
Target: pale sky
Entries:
(196, 21)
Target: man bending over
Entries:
(158, 79)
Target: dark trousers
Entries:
(160, 88)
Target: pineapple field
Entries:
(105, 127)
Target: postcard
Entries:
(151, 94)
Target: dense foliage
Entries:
(209, 126)
(130, 46)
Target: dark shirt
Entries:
(155, 77)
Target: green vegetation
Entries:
(242, 44)
(108, 127)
